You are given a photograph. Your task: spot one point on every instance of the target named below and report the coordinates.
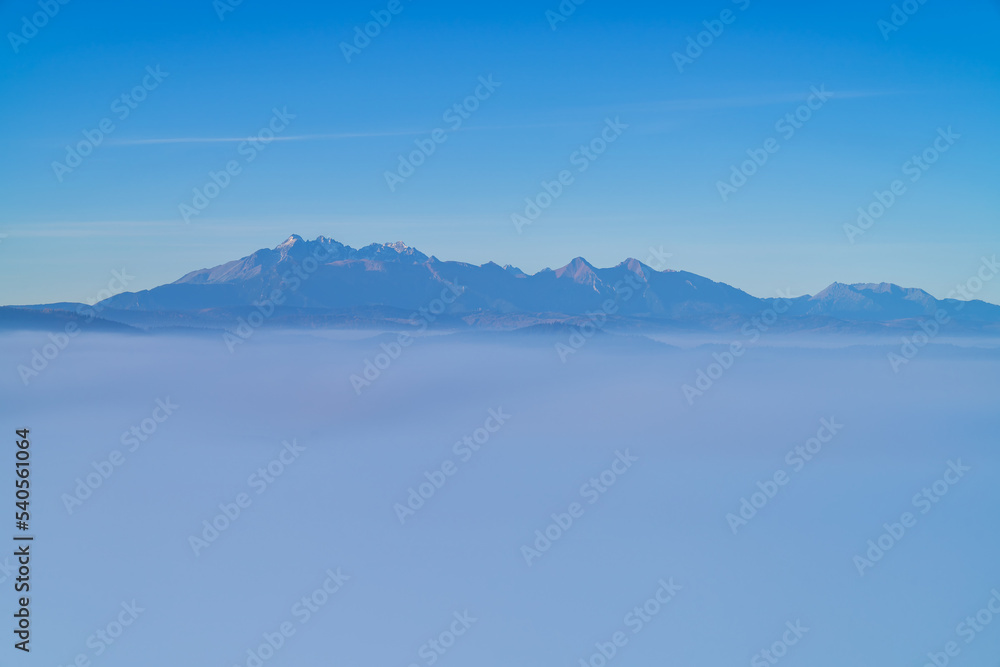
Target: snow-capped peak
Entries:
(289, 242)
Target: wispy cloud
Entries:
(708, 103)
(653, 106)
(88, 229)
(330, 137)
(293, 137)
(127, 228)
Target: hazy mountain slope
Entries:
(326, 283)
(401, 277)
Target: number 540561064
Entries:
(23, 472)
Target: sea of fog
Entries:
(494, 500)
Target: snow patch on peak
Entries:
(290, 241)
(878, 288)
(390, 252)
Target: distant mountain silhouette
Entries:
(885, 301)
(326, 283)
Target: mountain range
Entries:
(324, 283)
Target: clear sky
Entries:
(655, 185)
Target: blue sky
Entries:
(656, 184)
